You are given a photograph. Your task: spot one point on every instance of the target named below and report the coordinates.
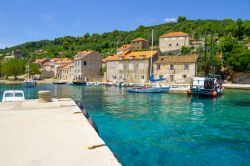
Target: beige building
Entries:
(173, 41)
(131, 68)
(67, 72)
(87, 66)
(176, 69)
(139, 44)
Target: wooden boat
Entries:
(60, 82)
(209, 86)
(13, 96)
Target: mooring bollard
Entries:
(44, 96)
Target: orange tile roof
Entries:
(112, 58)
(62, 65)
(84, 53)
(140, 54)
(124, 47)
(40, 60)
(139, 39)
(174, 34)
(131, 55)
(176, 59)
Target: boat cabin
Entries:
(13, 95)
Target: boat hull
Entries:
(79, 83)
(148, 90)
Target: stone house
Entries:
(173, 41)
(67, 72)
(131, 68)
(139, 44)
(87, 66)
(176, 69)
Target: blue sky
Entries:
(30, 20)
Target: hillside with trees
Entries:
(233, 37)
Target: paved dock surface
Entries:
(49, 134)
(237, 86)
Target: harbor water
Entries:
(164, 129)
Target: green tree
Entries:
(13, 67)
(34, 69)
(181, 19)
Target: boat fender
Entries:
(93, 124)
(214, 93)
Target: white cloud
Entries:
(170, 19)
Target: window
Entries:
(177, 44)
(186, 66)
(171, 67)
(171, 78)
(158, 67)
(169, 45)
(114, 77)
(84, 63)
(142, 77)
(184, 76)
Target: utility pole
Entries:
(205, 54)
(211, 52)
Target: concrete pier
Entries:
(54, 133)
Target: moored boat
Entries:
(13, 96)
(60, 82)
(155, 88)
(29, 83)
(209, 86)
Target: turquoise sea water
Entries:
(165, 129)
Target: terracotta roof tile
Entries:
(139, 39)
(124, 47)
(176, 59)
(174, 34)
(140, 54)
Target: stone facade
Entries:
(132, 68)
(67, 72)
(173, 41)
(139, 44)
(176, 69)
(87, 66)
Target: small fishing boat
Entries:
(79, 81)
(209, 86)
(60, 82)
(13, 96)
(28, 82)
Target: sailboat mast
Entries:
(151, 60)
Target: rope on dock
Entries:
(96, 146)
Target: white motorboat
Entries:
(13, 96)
